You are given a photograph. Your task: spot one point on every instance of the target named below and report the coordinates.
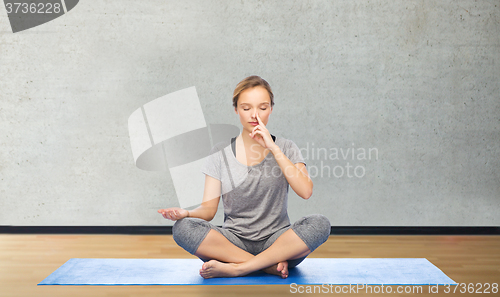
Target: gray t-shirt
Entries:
(255, 197)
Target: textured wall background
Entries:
(415, 81)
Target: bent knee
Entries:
(313, 229)
(321, 224)
(185, 231)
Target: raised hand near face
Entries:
(262, 135)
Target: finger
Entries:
(263, 131)
(252, 135)
(258, 119)
(259, 133)
(259, 128)
(256, 128)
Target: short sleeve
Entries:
(212, 165)
(293, 153)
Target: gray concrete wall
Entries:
(417, 82)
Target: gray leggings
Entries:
(314, 230)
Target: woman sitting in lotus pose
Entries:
(252, 173)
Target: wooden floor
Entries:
(25, 260)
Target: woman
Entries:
(252, 172)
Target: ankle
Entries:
(239, 269)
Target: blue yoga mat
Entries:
(312, 271)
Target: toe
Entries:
(284, 271)
(203, 273)
(280, 266)
(207, 265)
(284, 274)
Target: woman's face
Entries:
(250, 102)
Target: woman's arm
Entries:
(296, 174)
(211, 197)
(206, 210)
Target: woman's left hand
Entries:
(262, 135)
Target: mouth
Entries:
(254, 123)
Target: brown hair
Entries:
(252, 82)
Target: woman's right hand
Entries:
(174, 213)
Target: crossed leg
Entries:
(238, 262)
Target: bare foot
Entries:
(214, 268)
(280, 269)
